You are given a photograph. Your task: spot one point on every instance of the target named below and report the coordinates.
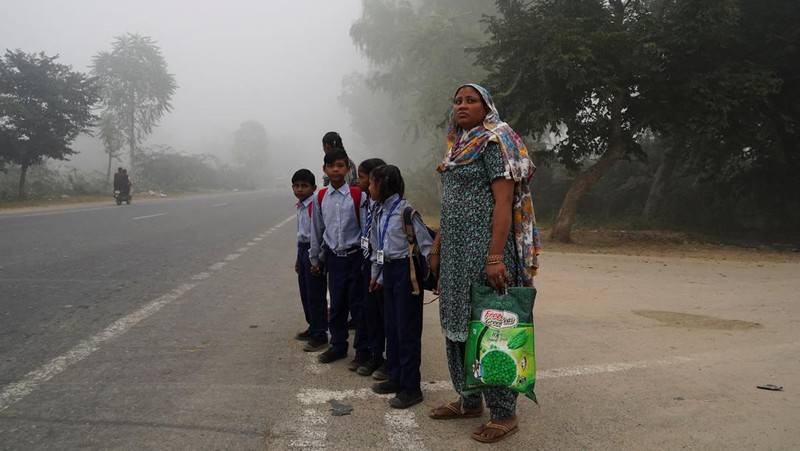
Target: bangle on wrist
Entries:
(495, 258)
(434, 251)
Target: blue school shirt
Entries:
(335, 225)
(393, 231)
(304, 227)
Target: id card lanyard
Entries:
(382, 233)
(365, 233)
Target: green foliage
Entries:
(560, 65)
(137, 89)
(161, 168)
(418, 55)
(46, 182)
(44, 106)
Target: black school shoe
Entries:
(303, 336)
(357, 363)
(386, 387)
(331, 355)
(406, 399)
(369, 367)
(315, 345)
(382, 373)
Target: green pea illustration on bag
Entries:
(500, 345)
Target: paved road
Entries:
(66, 273)
(192, 348)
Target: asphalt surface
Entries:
(168, 325)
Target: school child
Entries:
(335, 248)
(333, 140)
(313, 288)
(391, 270)
(372, 311)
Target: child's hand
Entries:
(316, 270)
(434, 262)
(374, 285)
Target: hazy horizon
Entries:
(233, 61)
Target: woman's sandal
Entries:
(489, 425)
(455, 410)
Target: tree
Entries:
(417, 54)
(711, 90)
(250, 146)
(112, 140)
(137, 88)
(44, 106)
(574, 64)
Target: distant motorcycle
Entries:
(121, 197)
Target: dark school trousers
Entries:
(313, 295)
(346, 289)
(403, 313)
(372, 316)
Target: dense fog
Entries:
(277, 63)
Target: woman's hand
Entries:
(497, 276)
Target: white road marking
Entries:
(281, 224)
(313, 366)
(256, 239)
(321, 396)
(15, 391)
(232, 257)
(252, 243)
(607, 368)
(242, 249)
(311, 427)
(48, 213)
(18, 390)
(149, 216)
(403, 431)
(402, 425)
(220, 205)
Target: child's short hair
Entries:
(335, 155)
(390, 181)
(368, 165)
(333, 139)
(304, 175)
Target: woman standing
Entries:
(488, 236)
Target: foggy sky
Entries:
(277, 62)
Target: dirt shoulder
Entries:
(669, 243)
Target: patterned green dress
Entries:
(466, 227)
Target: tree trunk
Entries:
(23, 172)
(660, 182)
(562, 228)
(132, 142)
(108, 171)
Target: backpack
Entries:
(355, 193)
(416, 260)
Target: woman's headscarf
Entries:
(463, 148)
